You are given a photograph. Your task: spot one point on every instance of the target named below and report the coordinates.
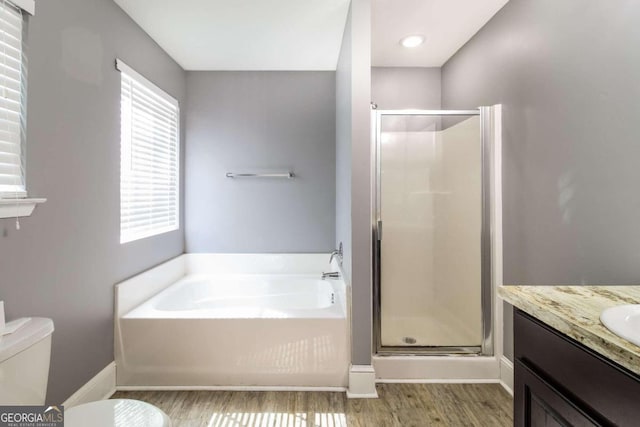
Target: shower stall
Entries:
(432, 237)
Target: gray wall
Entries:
(361, 232)
(260, 121)
(64, 261)
(353, 213)
(343, 149)
(567, 76)
(396, 88)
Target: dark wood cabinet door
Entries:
(540, 404)
(560, 382)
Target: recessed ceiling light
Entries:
(414, 40)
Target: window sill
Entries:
(12, 208)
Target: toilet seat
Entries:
(116, 412)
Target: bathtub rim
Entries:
(133, 291)
(148, 311)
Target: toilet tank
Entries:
(24, 363)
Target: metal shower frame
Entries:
(486, 348)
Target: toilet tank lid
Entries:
(34, 331)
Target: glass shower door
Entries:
(430, 214)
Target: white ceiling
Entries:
(304, 34)
(447, 25)
(244, 34)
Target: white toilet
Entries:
(24, 371)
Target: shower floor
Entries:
(437, 328)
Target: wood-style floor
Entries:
(405, 405)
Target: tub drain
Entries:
(409, 340)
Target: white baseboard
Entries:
(362, 382)
(100, 387)
(437, 369)
(227, 388)
(506, 374)
(438, 381)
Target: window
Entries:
(12, 103)
(150, 146)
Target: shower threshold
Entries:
(429, 351)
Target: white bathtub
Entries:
(243, 296)
(219, 320)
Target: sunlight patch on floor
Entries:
(276, 419)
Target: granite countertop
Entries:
(575, 311)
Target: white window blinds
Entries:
(150, 146)
(12, 102)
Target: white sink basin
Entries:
(624, 321)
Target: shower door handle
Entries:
(379, 230)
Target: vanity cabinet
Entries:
(560, 382)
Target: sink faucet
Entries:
(331, 275)
(337, 253)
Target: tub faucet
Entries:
(331, 275)
(337, 253)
